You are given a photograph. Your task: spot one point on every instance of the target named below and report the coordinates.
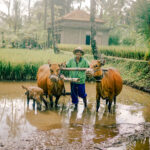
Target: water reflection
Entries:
(83, 126)
(12, 119)
(140, 145)
(105, 127)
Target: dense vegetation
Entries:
(134, 73)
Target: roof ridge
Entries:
(79, 15)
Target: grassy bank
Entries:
(16, 64)
(134, 73)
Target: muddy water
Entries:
(21, 127)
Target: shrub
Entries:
(147, 56)
(114, 40)
(128, 41)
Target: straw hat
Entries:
(78, 49)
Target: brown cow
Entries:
(36, 94)
(48, 78)
(108, 84)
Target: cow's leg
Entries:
(109, 106)
(33, 104)
(107, 100)
(45, 102)
(28, 99)
(98, 102)
(51, 101)
(114, 100)
(56, 101)
(38, 105)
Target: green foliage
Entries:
(113, 40)
(129, 41)
(142, 18)
(25, 71)
(147, 55)
(134, 73)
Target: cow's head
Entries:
(54, 72)
(95, 69)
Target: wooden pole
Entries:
(79, 69)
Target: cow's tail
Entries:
(24, 87)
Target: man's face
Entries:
(78, 55)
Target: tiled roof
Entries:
(79, 15)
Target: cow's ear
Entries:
(103, 62)
(63, 64)
(49, 63)
(99, 62)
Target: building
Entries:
(74, 28)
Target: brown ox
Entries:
(48, 78)
(108, 84)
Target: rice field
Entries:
(19, 56)
(117, 51)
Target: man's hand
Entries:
(62, 77)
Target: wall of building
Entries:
(75, 33)
(73, 36)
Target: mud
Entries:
(21, 127)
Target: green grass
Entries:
(117, 51)
(20, 64)
(21, 56)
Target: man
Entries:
(78, 88)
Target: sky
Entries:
(4, 8)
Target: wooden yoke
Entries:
(78, 69)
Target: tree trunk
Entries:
(53, 28)
(9, 23)
(29, 15)
(45, 14)
(48, 37)
(93, 29)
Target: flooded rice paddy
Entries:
(21, 127)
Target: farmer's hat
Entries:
(78, 49)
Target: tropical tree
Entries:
(93, 29)
(142, 18)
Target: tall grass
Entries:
(25, 71)
(117, 51)
(20, 64)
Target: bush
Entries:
(147, 56)
(114, 40)
(26, 71)
(129, 41)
